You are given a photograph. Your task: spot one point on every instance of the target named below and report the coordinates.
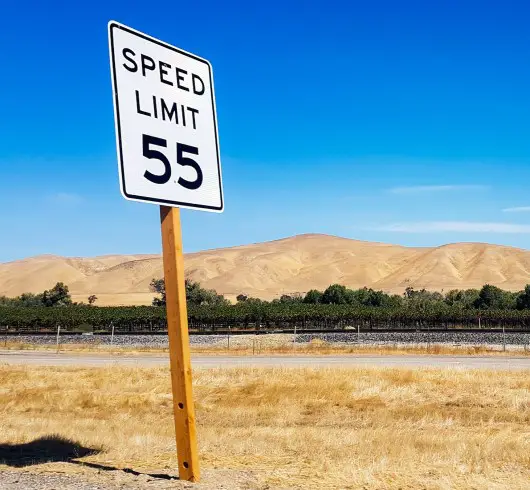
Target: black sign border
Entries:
(115, 25)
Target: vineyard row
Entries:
(262, 317)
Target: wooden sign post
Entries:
(179, 346)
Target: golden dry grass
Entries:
(290, 428)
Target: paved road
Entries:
(409, 361)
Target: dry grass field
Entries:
(281, 428)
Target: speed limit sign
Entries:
(168, 154)
(166, 124)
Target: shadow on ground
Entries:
(43, 450)
(59, 449)
(130, 471)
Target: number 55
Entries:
(148, 152)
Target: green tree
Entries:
(25, 300)
(494, 298)
(370, 297)
(255, 302)
(158, 286)
(423, 295)
(313, 297)
(523, 299)
(409, 292)
(59, 295)
(290, 298)
(337, 294)
(454, 297)
(462, 299)
(395, 301)
(29, 299)
(195, 294)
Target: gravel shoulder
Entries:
(61, 476)
(518, 340)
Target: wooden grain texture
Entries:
(179, 345)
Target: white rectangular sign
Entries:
(166, 124)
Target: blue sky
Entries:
(403, 122)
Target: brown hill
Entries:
(269, 269)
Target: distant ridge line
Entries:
(268, 269)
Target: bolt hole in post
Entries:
(181, 405)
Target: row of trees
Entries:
(336, 307)
(59, 295)
(487, 298)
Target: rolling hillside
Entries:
(269, 269)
